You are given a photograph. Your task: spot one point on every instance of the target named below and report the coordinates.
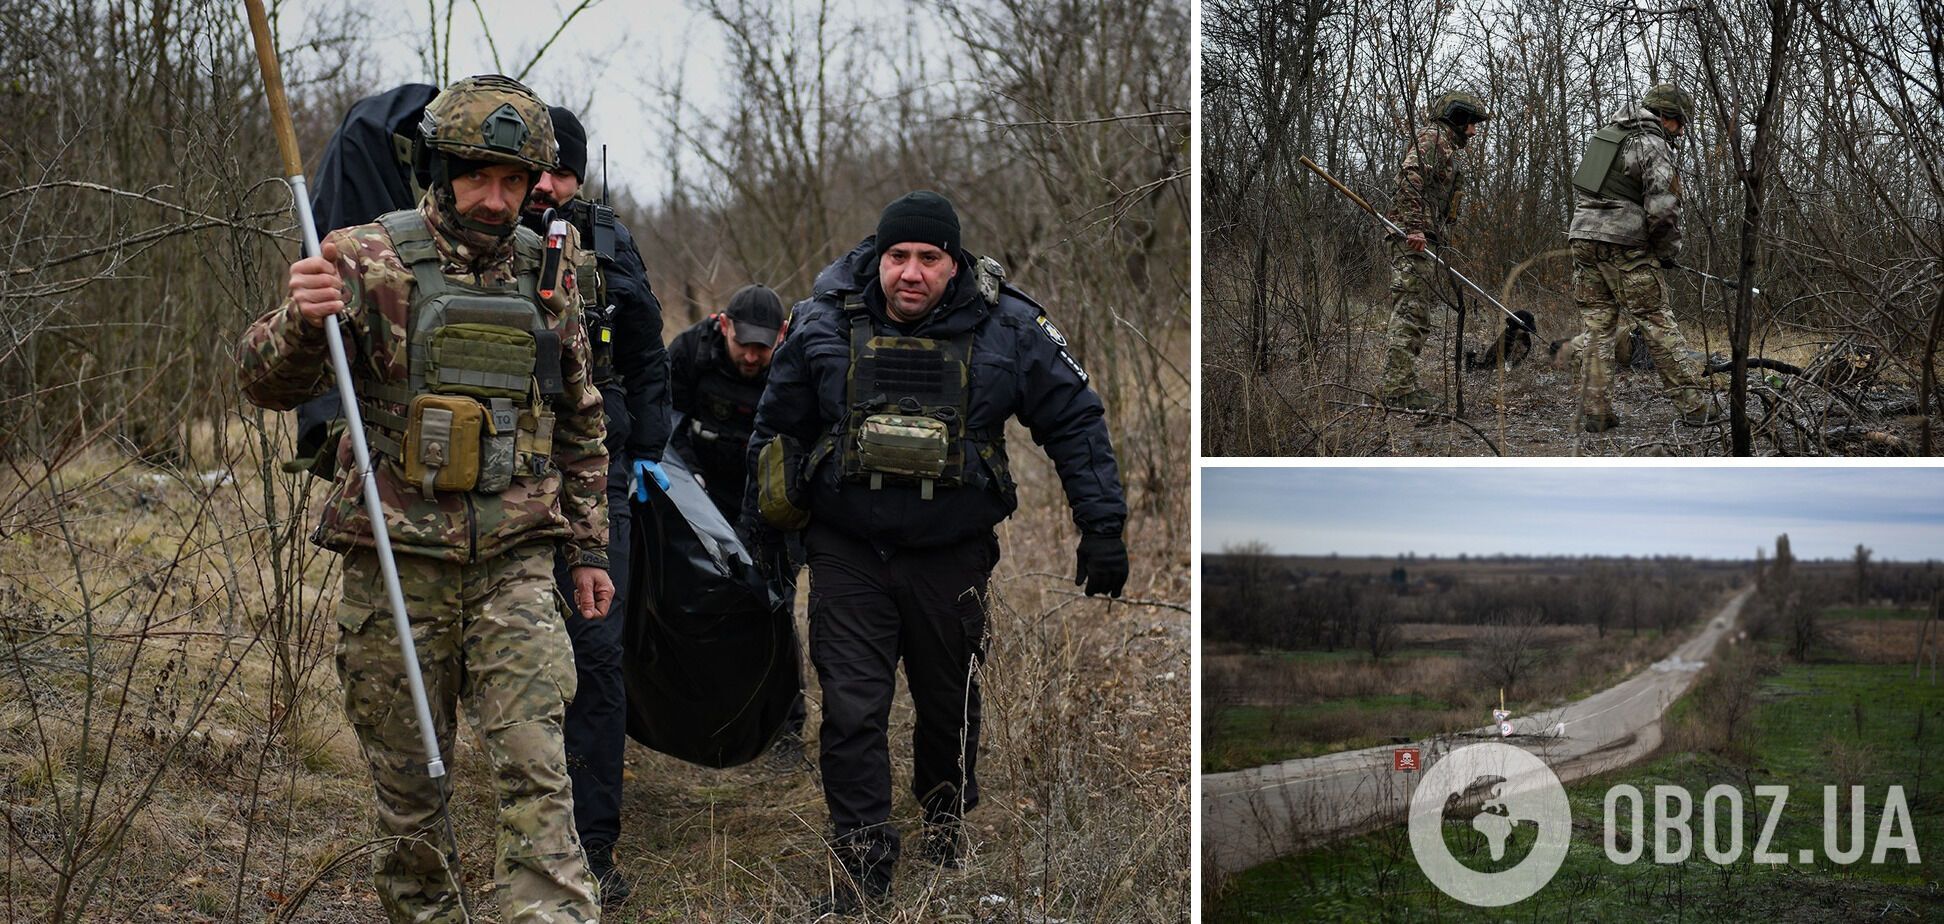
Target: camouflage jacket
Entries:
(1428, 183)
(1653, 225)
(284, 361)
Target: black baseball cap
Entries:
(758, 314)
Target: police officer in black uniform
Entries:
(624, 324)
(882, 436)
(717, 371)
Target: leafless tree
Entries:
(1810, 174)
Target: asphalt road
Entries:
(1252, 816)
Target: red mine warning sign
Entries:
(1404, 759)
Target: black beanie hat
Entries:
(572, 139)
(923, 217)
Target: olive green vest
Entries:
(907, 402)
(1599, 171)
(491, 344)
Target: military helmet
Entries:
(1670, 101)
(491, 118)
(1458, 107)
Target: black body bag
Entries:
(711, 649)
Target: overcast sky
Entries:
(1705, 512)
(614, 65)
(645, 44)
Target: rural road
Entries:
(1252, 816)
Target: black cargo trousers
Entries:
(596, 724)
(867, 611)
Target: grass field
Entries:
(1815, 724)
(1875, 612)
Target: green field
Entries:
(1814, 725)
(1875, 612)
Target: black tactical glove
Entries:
(1101, 563)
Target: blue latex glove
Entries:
(641, 472)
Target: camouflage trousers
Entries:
(1612, 279)
(491, 635)
(1410, 319)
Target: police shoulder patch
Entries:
(1052, 333)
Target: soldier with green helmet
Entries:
(486, 435)
(1425, 206)
(1627, 228)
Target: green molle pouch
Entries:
(900, 444)
(484, 361)
(442, 443)
(779, 494)
(498, 450)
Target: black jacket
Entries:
(640, 357)
(1020, 368)
(705, 387)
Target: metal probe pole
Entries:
(1428, 251)
(353, 421)
(354, 424)
(1726, 282)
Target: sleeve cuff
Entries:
(587, 558)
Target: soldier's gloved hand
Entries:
(1101, 563)
(642, 471)
(1416, 240)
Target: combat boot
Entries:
(862, 877)
(1417, 399)
(1598, 423)
(614, 887)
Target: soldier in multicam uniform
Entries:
(1626, 229)
(1425, 206)
(883, 432)
(486, 432)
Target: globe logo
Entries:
(1495, 789)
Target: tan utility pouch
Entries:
(442, 443)
(897, 444)
(779, 466)
(533, 442)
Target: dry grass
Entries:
(1317, 703)
(1883, 641)
(146, 602)
(1432, 664)
(1323, 401)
